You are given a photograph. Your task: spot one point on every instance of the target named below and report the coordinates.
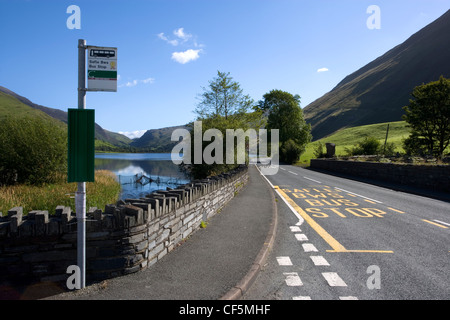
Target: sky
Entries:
(169, 50)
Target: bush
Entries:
(369, 146)
(318, 151)
(290, 151)
(32, 151)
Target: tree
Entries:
(223, 97)
(428, 116)
(32, 151)
(222, 106)
(286, 115)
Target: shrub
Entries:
(32, 151)
(318, 151)
(369, 146)
(290, 151)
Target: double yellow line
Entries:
(337, 247)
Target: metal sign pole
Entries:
(80, 195)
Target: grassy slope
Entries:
(10, 106)
(349, 137)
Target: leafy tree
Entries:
(428, 116)
(32, 151)
(222, 106)
(286, 115)
(224, 97)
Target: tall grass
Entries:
(104, 190)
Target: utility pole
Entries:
(80, 195)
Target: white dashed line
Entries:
(309, 247)
(301, 298)
(295, 229)
(301, 237)
(358, 195)
(348, 298)
(319, 261)
(293, 173)
(333, 279)
(312, 180)
(284, 261)
(292, 279)
(447, 224)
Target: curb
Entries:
(242, 286)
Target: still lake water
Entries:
(128, 167)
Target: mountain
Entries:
(157, 140)
(377, 92)
(12, 102)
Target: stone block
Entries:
(41, 220)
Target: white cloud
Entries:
(186, 56)
(180, 34)
(133, 134)
(135, 82)
(322, 70)
(163, 37)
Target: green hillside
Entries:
(347, 138)
(157, 140)
(10, 106)
(377, 92)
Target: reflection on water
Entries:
(141, 173)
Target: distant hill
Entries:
(157, 140)
(15, 104)
(377, 92)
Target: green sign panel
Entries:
(81, 155)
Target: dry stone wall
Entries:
(432, 177)
(123, 238)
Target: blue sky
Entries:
(169, 49)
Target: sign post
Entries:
(102, 76)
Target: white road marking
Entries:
(292, 279)
(301, 298)
(300, 218)
(309, 247)
(333, 279)
(312, 180)
(284, 261)
(301, 237)
(293, 173)
(447, 224)
(358, 195)
(319, 261)
(282, 168)
(295, 229)
(348, 298)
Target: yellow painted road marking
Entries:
(369, 201)
(436, 224)
(337, 247)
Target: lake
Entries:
(141, 173)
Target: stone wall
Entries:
(124, 238)
(432, 177)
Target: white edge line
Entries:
(300, 218)
(358, 195)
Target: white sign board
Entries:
(102, 69)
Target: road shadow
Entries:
(437, 195)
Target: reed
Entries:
(105, 190)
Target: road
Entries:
(344, 239)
